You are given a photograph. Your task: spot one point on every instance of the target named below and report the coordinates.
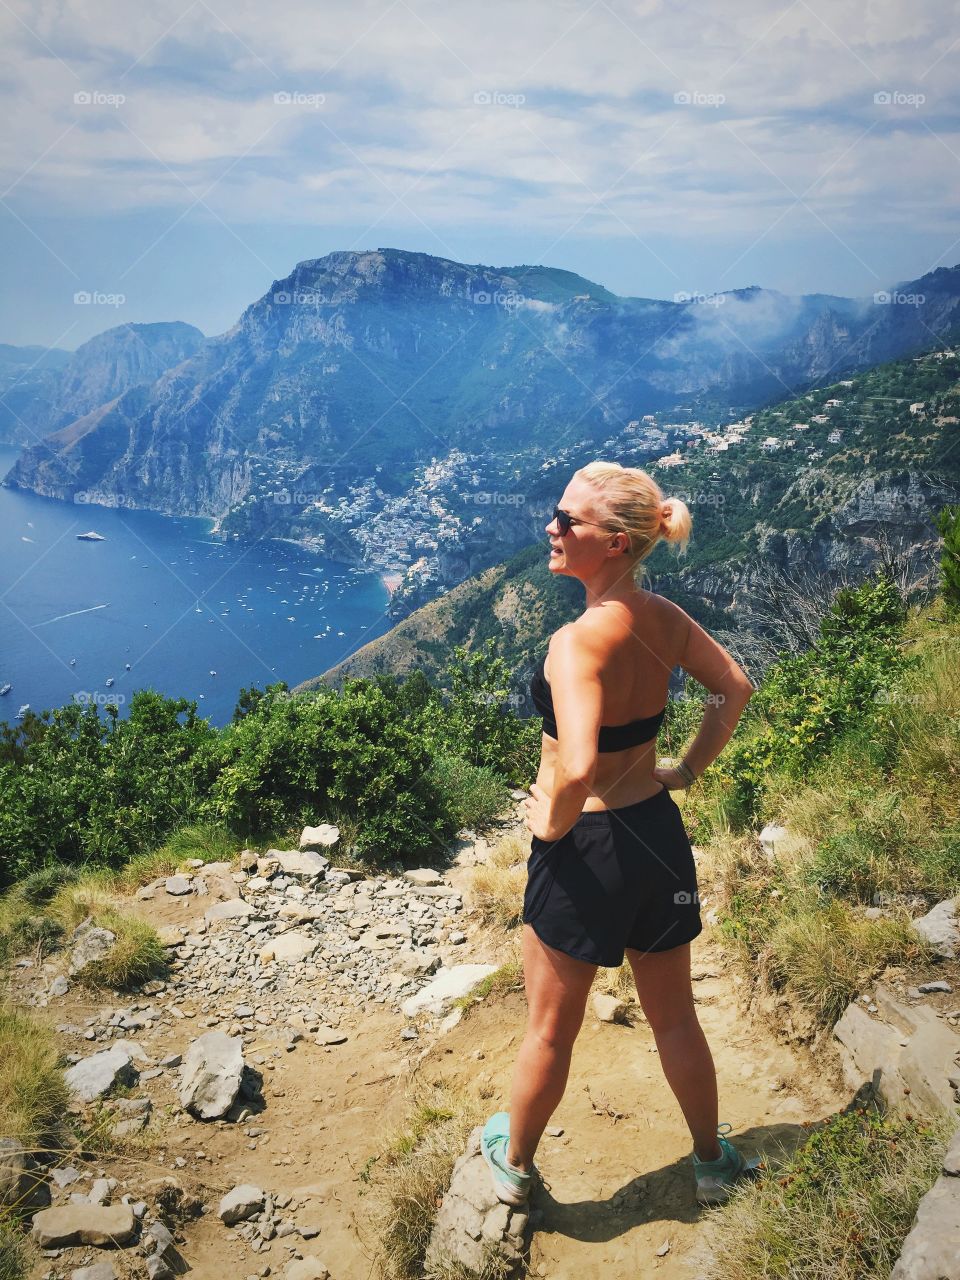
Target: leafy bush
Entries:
(306, 758)
(78, 788)
(810, 701)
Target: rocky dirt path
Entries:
(619, 1193)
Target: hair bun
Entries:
(675, 521)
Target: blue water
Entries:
(163, 596)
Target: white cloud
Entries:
(399, 119)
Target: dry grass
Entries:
(497, 885)
(136, 956)
(16, 1254)
(413, 1173)
(509, 977)
(825, 954)
(33, 1093)
(839, 1208)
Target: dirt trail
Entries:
(616, 1189)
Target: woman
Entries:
(611, 871)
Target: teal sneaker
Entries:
(717, 1178)
(512, 1186)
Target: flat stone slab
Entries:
(234, 909)
(321, 837)
(95, 1076)
(447, 986)
(72, 1224)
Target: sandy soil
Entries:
(617, 1187)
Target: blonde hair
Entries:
(634, 500)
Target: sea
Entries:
(161, 604)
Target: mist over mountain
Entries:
(413, 414)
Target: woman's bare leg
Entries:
(557, 987)
(666, 997)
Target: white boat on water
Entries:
(127, 666)
(5, 689)
(213, 673)
(91, 536)
(23, 710)
(73, 662)
(109, 681)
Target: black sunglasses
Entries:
(564, 520)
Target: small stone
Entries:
(177, 886)
(241, 1203)
(609, 1008)
(59, 986)
(664, 1249)
(99, 1271)
(940, 985)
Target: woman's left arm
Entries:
(575, 665)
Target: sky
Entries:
(170, 161)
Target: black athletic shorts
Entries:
(619, 878)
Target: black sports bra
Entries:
(613, 737)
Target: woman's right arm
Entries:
(729, 692)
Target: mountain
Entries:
(43, 390)
(412, 413)
(817, 490)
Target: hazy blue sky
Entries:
(182, 155)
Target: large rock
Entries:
(290, 947)
(914, 1050)
(325, 836)
(71, 1224)
(23, 1189)
(305, 864)
(241, 1203)
(90, 943)
(941, 928)
(178, 886)
(473, 1229)
(212, 1075)
(447, 986)
(932, 1249)
(95, 1076)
